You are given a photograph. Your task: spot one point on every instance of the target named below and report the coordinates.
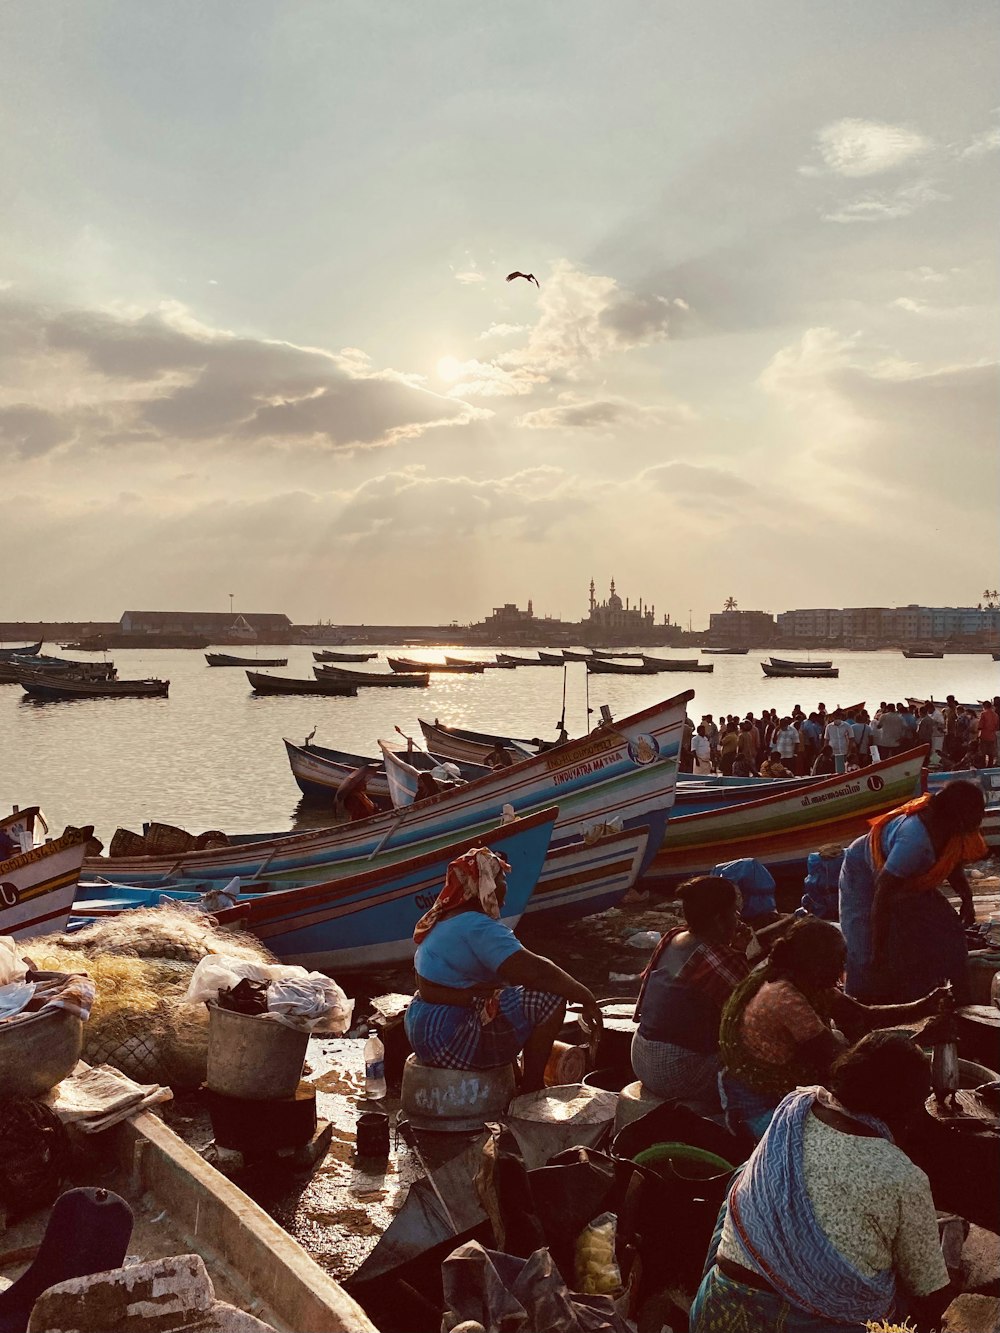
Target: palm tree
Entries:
(991, 596)
(730, 604)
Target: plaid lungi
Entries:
(450, 1036)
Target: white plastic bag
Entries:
(299, 998)
(12, 967)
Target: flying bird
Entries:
(528, 277)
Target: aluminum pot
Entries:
(38, 1052)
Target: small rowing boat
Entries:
(408, 665)
(67, 686)
(574, 655)
(800, 671)
(29, 650)
(263, 684)
(320, 771)
(366, 679)
(920, 654)
(509, 658)
(328, 655)
(676, 664)
(786, 662)
(470, 747)
(224, 660)
(602, 666)
(487, 666)
(727, 652)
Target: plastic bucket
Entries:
(252, 1056)
(682, 1159)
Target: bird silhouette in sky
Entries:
(528, 277)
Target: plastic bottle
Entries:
(374, 1067)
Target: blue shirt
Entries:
(909, 852)
(465, 950)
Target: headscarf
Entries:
(471, 877)
(958, 850)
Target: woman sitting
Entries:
(830, 1225)
(481, 996)
(692, 973)
(777, 1028)
(902, 935)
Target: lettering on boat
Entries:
(425, 901)
(835, 795)
(574, 754)
(581, 770)
(644, 749)
(9, 895)
(876, 782)
(39, 853)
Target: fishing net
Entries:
(141, 963)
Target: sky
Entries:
(256, 338)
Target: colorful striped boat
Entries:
(38, 886)
(361, 920)
(781, 830)
(587, 877)
(622, 771)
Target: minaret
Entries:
(612, 587)
(593, 601)
(531, 611)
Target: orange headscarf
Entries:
(958, 850)
(471, 876)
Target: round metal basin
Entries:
(37, 1053)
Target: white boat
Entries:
(38, 883)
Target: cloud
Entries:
(692, 479)
(30, 431)
(501, 331)
(988, 141)
(469, 277)
(572, 412)
(857, 148)
(161, 377)
(876, 206)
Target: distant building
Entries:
(510, 617)
(864, 626)
(731, 628)
(215, 624)
(617, 617)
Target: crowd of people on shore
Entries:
(959, 737)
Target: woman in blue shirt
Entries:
(482, 997)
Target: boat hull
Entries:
(626, 771)
(365, 679)
(782, 829)
(224, 660)
(584, 878)
(367, 919)
(408, 666)
(37, 888)
(263, 684)
(800, 673)
(60, 687)
(469, 747)
(319, 772)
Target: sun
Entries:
(449, 369)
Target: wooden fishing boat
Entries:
(727, 652)
(780, 830)
(487, 666)
(574, 655)
(38, 885)
(262, 684)
(996, 657)
(329, 655)
(625, 771)
(583, 878)
(64, 686)
(364, 919)
(470, 747)
(785, 662)
(407, 665)
(800, 672)
(676, 664)
(918, 654)
(181, 1206)
(15, 669)
(320, 771)
(602, 666)
(525, 661)
(553, 659)
(224, 660)
(29, 650)
(370, 679)
(613, 652)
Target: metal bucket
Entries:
(454, 1099)
(37, 1053)
(253, 1057)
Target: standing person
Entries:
(692, 973)
(862, 736)
(986, 733)
(701, 750)
(903, 936)
(830, 1227)
(729, 743)
(482, 997)
(890, 732)
(786, 741)
(839, 736)
(747, 745)
(686, 760)
(712, 732)
(937, 745)
(949, 749)
(925, 726)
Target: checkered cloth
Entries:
(451, 1036)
